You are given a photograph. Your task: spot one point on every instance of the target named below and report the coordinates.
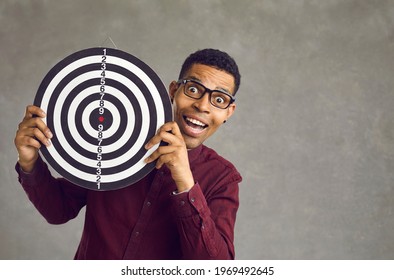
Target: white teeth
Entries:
(196, 122)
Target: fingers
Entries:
(38, 135)
(159, 154)
(31, 121)
(32, 111)
(168, 133)
(31, 136)
(32, 131)
(24, 140)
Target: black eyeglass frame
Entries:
(184, 81)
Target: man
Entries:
(184, 209)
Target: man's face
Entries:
(199, 119)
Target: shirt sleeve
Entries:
(57, 200)
(206, 224)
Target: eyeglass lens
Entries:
(217, 98)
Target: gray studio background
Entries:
(313, 133)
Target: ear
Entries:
(172, 88)
(231, 110)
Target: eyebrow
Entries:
(193, 78)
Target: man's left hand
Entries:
(174, 155)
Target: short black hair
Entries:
(214, 58)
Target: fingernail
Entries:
(50, 135)
(48, 143)
(147, 146)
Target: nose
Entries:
(203, 104)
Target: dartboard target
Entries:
(102, 105)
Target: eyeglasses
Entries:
(196, 90)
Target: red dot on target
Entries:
(101, 119)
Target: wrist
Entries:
(185, 184)
(27, 166)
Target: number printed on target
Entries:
(103, 105)
(100, 126)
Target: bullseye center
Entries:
(104, 119)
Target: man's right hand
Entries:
(31, 134)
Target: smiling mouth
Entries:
(195, 124)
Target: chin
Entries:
(192, 143)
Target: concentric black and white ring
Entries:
(136, 105)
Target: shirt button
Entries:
(148, 203)
(137, 233)
(192, 199)
(182, 203)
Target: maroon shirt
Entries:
(146, 220)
